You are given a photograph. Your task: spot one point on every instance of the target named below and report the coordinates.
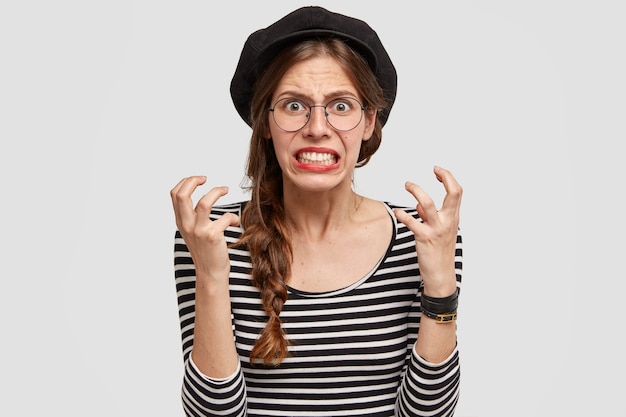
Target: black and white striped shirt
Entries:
(351, 350)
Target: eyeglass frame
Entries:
(310, 108)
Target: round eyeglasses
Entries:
(292, 114)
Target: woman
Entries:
(308, 299)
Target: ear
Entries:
(370, 123)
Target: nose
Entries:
(317, 123)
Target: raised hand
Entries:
(435, 234)
(204, 237)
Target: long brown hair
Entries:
(266, 233)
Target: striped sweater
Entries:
(351, 350)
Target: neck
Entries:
(314, 215)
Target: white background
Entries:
(105, 105)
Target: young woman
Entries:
(308, 299)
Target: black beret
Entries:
(305, 23)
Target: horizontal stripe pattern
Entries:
(351, 350)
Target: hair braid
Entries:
(267, 238)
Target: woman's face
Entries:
(318, 157)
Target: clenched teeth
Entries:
(317, 158)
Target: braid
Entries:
(267, 238)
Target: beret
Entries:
(306, 23)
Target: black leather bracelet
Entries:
(440, 305)
(441, 309)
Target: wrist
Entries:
(438, 283)
(439, 291)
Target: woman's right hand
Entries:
(204, 237)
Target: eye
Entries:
(293, 106)
(341, 105)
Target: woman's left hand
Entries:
(436, 234)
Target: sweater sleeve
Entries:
(201, 396)
(429, 389)
(204, 396)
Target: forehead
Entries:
(317, 78)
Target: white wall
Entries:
(105, 105)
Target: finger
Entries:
(226, 220)
(189, 185)
(425, 205)
(212, 232)
(181, 199)
(206, 203)
(409, 221)
(454, 191)
(181, 193)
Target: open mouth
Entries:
(317, 158)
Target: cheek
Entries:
(280, 145)
(353, 145)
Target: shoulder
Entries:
(381, 214)
(372, 209)
(391, 207)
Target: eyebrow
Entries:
(332, 96)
